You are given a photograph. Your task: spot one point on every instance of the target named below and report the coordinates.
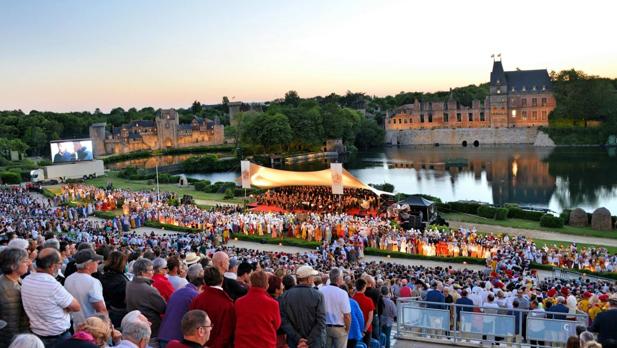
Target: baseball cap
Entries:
(86, 255)
(305, 272)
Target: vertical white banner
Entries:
(245, 169)
(336, 170)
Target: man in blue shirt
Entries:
(560, 307)
(434, 295)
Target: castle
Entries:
(164, 132)
(521, 98)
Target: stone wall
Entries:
(484, 136)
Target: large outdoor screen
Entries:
(67, 151)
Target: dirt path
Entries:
(535, 233)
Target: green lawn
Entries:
(140, 185)
(528, 224)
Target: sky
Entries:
(79, 55)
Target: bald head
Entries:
(47, 260)
(220, 260)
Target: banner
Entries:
(336, 170)
(245, 168)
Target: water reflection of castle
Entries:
(515, 175)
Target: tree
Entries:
(370, 134)
(292, 98)
(196, 108)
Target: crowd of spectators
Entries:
(72, 281)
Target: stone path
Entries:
(536, 234)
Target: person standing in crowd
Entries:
(436, 296)
(85, 288)
(389, 315)
(374, 294)
(368, 309)
(179, 304)
(605, 324)
(135, 334)
(27, 341)
(114, 280)
(174, 269)
(159, 279)
(142, 296)
(220, 308)
(338, 311)
(220, 260)
(257, 315)
(196, 330)
(244, 274)
(303, 313)
(357, 319)
(560, 307)
(14, 263)
(46, 302)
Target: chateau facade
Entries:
(521, 98)
(164, 132)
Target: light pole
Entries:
(158, 190)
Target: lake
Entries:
(553, 178)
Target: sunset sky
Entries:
(79, 55)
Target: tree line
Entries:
(295, 123)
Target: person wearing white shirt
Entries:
(84, 287)
(338, 311)
(46, 302)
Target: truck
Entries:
(61, 172)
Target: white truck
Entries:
(62, 172)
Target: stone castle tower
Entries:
(167, 122)
(498, 98)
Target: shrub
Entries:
(10, 178)
(518, 213)
(502, 214)
(549, 220)
(387, 187)
(201, 185)
(465, 207)
(565, 216)
(229, 193)
(486, 211)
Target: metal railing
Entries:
(472, 325)
(561, 273)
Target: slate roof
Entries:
(528, 79)
(185, 126)
(134, 136)
(141, 123)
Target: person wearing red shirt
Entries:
(367, 306)
(159, 279)
(220, 308)
(257, 315)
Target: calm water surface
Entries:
(554, 178)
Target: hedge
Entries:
(501, 214)
(10, 178)
(45, 192)
(518, 213)
(549, 220)
(486, 211)
(108, 215)
(154, 224)
(465, 207)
